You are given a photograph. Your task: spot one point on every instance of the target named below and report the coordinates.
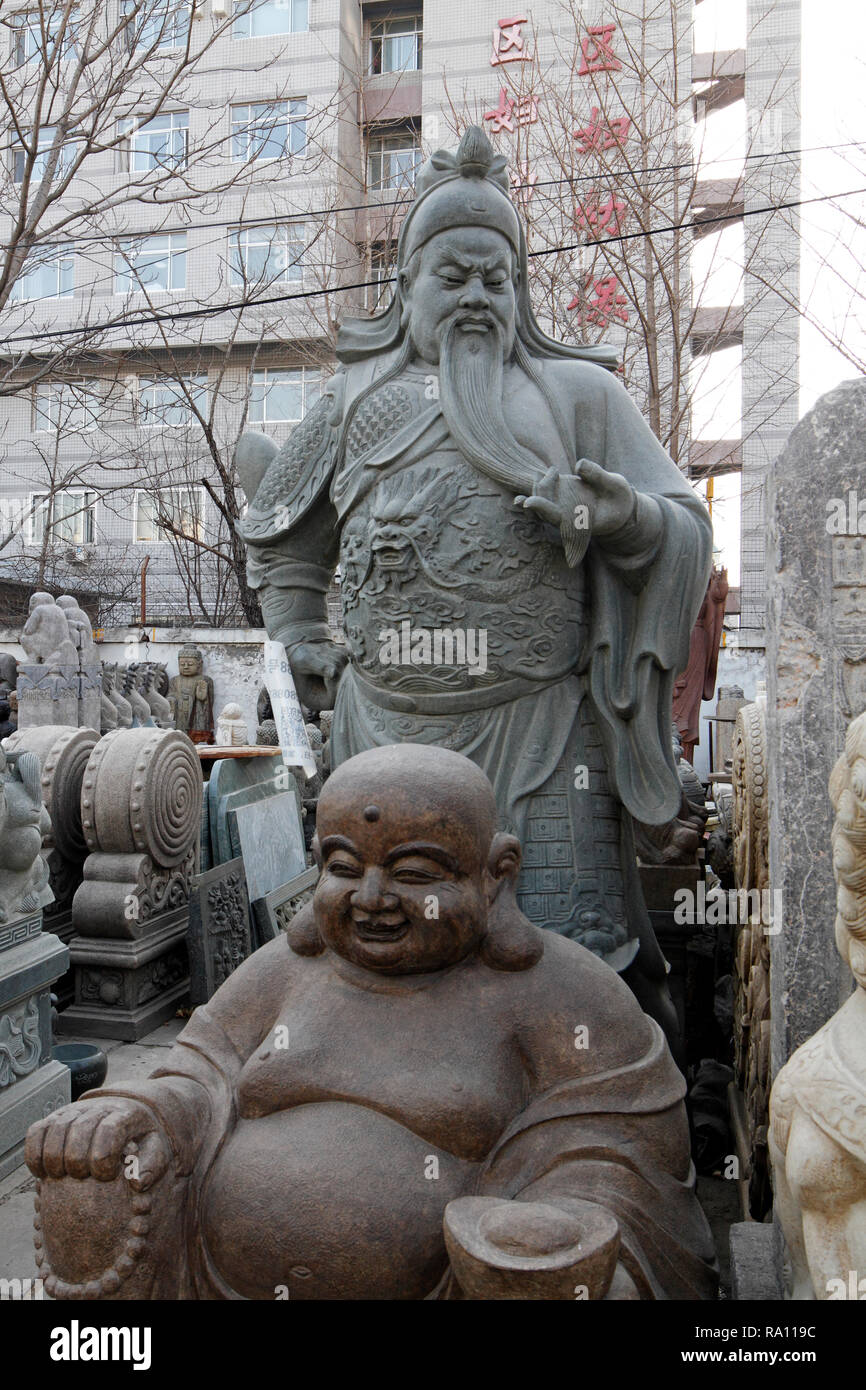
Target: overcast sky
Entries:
(833, 97)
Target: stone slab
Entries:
(270, 838)
(756, 1271)
(235, 782)
(816, 684)
(219, 937)
(274, 912)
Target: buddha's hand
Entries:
(563, 1248)
(589, 502)
(316, 671)
(100, 1138)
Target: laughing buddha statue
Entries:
(412, 1093)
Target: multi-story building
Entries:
(281, 163)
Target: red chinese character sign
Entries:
(592, 215)
(511, 112)
(602, 133)
(597, 49)
(508, 42)
(603, 302)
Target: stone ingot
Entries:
(142, 793)
(493, 1242)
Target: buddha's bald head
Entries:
(436, 792)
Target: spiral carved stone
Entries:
(142, 793)
(63, 753)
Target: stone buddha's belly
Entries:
(331, 1200)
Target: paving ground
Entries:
(129, 1061)
(126, 1062)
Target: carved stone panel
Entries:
(219, 936)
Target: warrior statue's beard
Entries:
(471, 368)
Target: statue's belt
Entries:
(447, 702)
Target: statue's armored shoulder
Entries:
(281, 484)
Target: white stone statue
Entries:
(45, 636)
(231, 729)
(818, 1101)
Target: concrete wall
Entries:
(233, 658)
(743, 666)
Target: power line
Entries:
(243, 304)
(405, 201)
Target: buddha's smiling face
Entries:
(404, 885)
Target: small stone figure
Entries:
(231, 730)
(45, 637)
(160, 709)
(418, 1042)
(80, 629)
(267, 735)
(23, 822)
(818, 1100)
(190, 695)
(141, 715)
(122, 707)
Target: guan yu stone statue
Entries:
(389, 1101)
(490, 493)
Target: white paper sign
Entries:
(288, 715)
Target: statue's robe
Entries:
(304, 1109)
(570, 719)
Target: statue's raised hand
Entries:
(316, 670)
(589, 502)
(99, 1138)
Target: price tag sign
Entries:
(288, 715)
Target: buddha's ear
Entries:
(503, 861)
(511, 942)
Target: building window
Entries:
(35, 35)
(44, 143)
(150, 263)
(169, 513)
(267, 254)
(68, 405)
(255, 19)
(269, 129)
(395, 44)
(392, 160)
(68, 516)
(283, 396)
(166, 402)
(383, 261)
(157, 144)
(157, 23)
(47, 274)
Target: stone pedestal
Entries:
(31, 1084)
(141, 799)
(816, 683)
(126, 988)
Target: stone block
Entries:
(219, 936)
